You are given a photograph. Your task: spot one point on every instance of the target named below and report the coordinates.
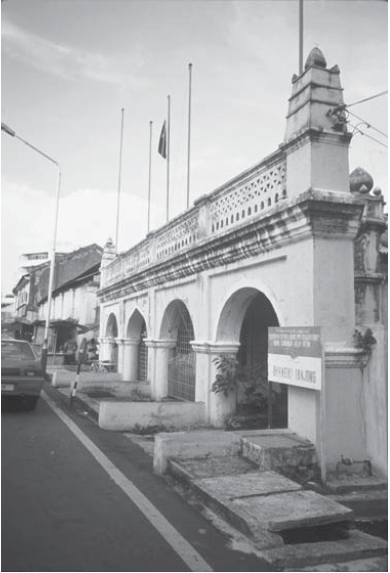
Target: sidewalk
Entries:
(93, 388)
(259, 504)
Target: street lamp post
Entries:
(12, 133)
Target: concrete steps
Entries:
(281, 451)
(251, 489)
(262, 504)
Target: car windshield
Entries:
(15, 350)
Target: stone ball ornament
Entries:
(360, 181)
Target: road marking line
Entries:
(184, 549)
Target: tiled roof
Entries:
(69, 268)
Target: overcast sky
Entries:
(69, 66)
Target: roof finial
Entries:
(315, 58)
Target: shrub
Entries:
(231, 376)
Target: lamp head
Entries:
(7, 129)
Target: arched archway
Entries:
(177, 325)
(137, 331)
(111, 326)
(111, 334)
(245, 318)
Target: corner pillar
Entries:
(104, 348)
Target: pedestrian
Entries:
(70, 351)
(92, 350)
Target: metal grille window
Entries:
(143, 356)
(181, 372)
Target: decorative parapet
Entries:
(313, 213)
(138, 258)
(242, 199)
(175, 237)
(316, 118)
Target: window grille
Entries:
(181, 371)
(143, 356)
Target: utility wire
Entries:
(369, 136)
(367, 99)
(368, 124)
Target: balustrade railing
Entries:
(240, 200)
(246, 199)
(184, 233)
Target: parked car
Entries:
(22, 375)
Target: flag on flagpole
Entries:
(162, 144)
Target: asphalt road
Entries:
(62, 510)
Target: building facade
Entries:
(74, 309)
(275, 246)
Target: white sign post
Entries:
(295, 356)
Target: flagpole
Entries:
(189, 133)
(119, 181)
(168, 150)
(150, 170)
(300, 37)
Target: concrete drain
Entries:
(326, 532)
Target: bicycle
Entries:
(98, 367)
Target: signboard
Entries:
(295, 356)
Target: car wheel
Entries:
(31, 403)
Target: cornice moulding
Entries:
(345, 357)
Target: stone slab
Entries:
(193, 445)
(358, 546)
(213, 466)
(272, 439)
(298, 509)
(250, 485)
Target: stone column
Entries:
(119, 366)
(130, 359)
(160, 351)
(217, 405)
(104, 348)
